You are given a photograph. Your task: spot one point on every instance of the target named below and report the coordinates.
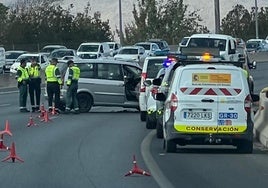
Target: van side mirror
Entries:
(255, 98)
(160, 97)
(252, 65)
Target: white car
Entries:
(114, 47)
(150, 47)
(63, 54)
(134, 54)
(208, 104)
(41, 59)
(147, 104)
(94, 49)
(11, 57)
(46, 50)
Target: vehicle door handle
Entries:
(207, 100)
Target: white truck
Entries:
(224, 43)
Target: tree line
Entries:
(31, 22)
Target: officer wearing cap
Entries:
(72, 83)
(34, 84)
(54, 82)
(22, 77)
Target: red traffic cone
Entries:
(12, 154)
(42, 111)
(46, 117)
(7, 129)
(136, 169)
(2, 145)
(54, 112)
(31, 122)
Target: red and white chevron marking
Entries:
(210, 91)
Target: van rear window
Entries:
(153, 67)
(202, 82)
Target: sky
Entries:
(109, 9)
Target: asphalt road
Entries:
(96, 150)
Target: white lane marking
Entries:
(7, 92)
(3, 105)
(155, 171)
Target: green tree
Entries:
(3, 21)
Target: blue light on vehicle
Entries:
(167, 62)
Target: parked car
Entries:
(114, 48)
(97, 49)
(150, 48)
(46, 50)
(11, 57)
(41, 59)
(135, 54)
(162, 44)
(208, 104)
(106, 82)
(252, 45)
(63, 54)
(150, 68)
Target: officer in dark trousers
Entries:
(72, 83)
(35, 85)
(54, 83)
(23, 80)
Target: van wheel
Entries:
(170, 146)
(149, 123)
(245, 146)
(85, 102)
(143, 115)
(159, 130)
(62, 106)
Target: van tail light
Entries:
(247, 103)
(173, 102)
(154, 90)
(143, 78)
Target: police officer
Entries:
(72, 83)
(54, 82)
(22, 77)
(35, 85)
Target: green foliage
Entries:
(48, 23)
(169, 21)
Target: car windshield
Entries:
(111, 46)
(88, 48)
(48, 50)
(28, 58)
(128, 51)
(145, 46)
(60, 54)
(252, 44)
(207, 43)
(12, 55)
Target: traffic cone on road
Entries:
(136, 169)
(42, 111)
(31, 122)
(7, 129)
(54, 112)
(2, 145)
(46, 117)
(12, 154)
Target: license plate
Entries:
(198, 115)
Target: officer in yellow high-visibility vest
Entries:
(35, 85)
(54, 82)
(72, 83)
(23, 80)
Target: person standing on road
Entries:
(72, 83)
(54, 83)
(22, 77)
(35, 85)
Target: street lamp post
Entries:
(120, 23)
(217, 16)
(256, 19)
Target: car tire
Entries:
(245, 146)
(85, 102)
(143, 115)
(62, 106)
(149, 123)
(170, 146)
(159, 130)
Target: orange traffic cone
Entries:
(31, 122)
(46, 117)
(136, 169)
(2, 145)
(7, 129)
(54, 112)
(12, 154)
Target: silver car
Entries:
(106, 82)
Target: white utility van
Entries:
(2, 59)
(95, 49)
(209, 104)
